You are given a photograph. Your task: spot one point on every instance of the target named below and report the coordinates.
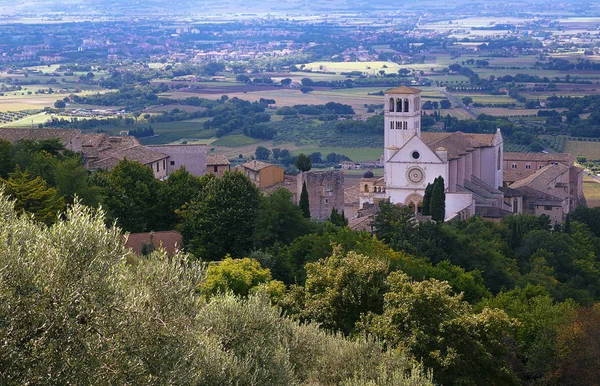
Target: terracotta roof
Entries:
(565, 158)
(104, 152)
(171, 241)
(402, 90)
(483, 139)
(508, 192)
(216, 159)
(352, 194)
(457, 143)
(361, 223)
(93, 140)
(491, 212)
(141, 154)
(541, 181)
(14, 135)
(510, 175)
(256, 165)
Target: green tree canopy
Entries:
(278, 220)
(303, 162)
(6, 162)
(339, 289)
(437, 205)
(33, 195)
(78, 308)
(304, 204)
(220, 219)
(439, 328)
(395, 225)
(130, 196)
(262, 153)
(177, 190)
(238, 276)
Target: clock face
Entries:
(415, 175)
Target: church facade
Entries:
(471, 164)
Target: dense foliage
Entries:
(102, 316)
(475, 302)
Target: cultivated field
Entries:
(366, 67)
(591, 190)
(591, 150)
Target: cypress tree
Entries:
(437, 207)
(427, 200)
(304, 205)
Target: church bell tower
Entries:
(402, 117)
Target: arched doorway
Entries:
(415, 202)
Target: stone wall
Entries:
(325, 192)
(193, 157)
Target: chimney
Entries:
(442, 153)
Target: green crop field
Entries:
(357, 154)
(591, 150)
(236, 140)
(369, 67)
(591, 190)
(484, 98)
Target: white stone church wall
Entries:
(455, 202)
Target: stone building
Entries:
(262, 174)
(192, 157)
(549, 191)
(325, 192)
(70, 139)
(217, 164)
(521, 165)
(471, 164)
(543, 184)
(103, 152)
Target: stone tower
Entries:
(325, 192)
(402, 117)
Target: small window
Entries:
(157, 167)
(541, 166)
(366, 188)
(326, 200)
(528, 166)
(215, 168)
(547, 207)
(172, 163)
(513, 166)
(531, 205)
(416, 155)
(164, 164)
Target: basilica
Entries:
(471, 164)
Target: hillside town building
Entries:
(262, 174)
(217, 164)
(471, 164)
(103, 152)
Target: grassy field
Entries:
(357, 154)
(591, 150)
(236, 140)
(368, 67)
(504, 112)
(591, 190)
(484, 98)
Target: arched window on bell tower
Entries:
(399, 105)
(392, 105)
(406, 105)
